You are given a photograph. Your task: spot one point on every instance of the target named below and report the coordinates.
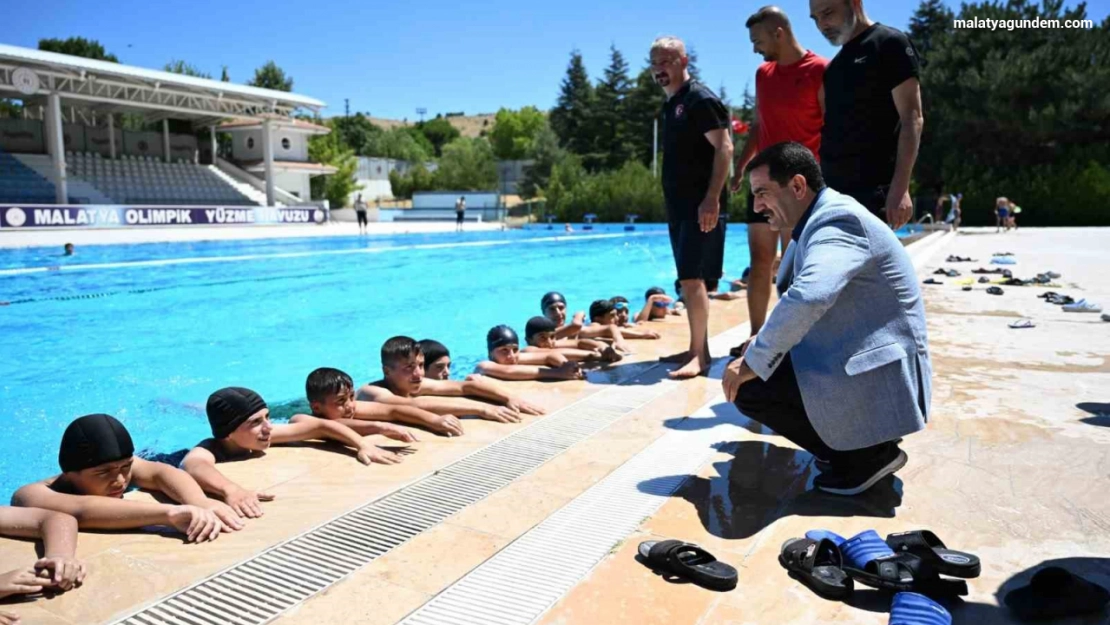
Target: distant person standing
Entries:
(790, 106)
(460, 212)
(360, 212)
(1001, 214)
(697, 152)
(1014, 210)
(873, 112)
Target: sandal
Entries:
(932, 281)
(870, 561)
(817, 564)
(925, 545)
(993, 290)
(1021, 324)
(910, 608)
(690, 562)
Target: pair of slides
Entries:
(905, 562)
(678, 559)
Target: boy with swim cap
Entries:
(404, 383)
(331, 396)
(57, 570)
(539, 333)
(554, 306)
(503, 347)
(656, 303)
(609, 312)
(98, 465)
(241, 429)
(437, 360)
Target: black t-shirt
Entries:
(859, 142)
(687, 154)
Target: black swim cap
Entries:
(92, 440)
(501, 335)
(433, 350)
(537, 325)
(655, 290)
(551, 298)
(230, 407)
(600, 308)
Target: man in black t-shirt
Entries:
(697, 152)
(873, 113)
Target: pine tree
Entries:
(613, 146)
(571, 118)
(643, 106)
(929, 23)
(225, 77)
(695, 73)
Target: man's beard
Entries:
(844, 34)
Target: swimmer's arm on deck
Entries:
(92, 512)
(173, 482)
(200, 464)
(304, 427)
(57, 530)
(443, 422)
(529, 372)
(572, 328)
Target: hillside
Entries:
(468, 125)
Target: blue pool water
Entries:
(147, 332)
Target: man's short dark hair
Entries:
(326, 382)
(433, 350)
(399, 349)
(600, 308)
(786, 160)
(770, 16)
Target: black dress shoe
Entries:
(855, 480)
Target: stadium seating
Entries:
(20, 184)
(146, 180)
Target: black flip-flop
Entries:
(942, 272)
(932, 281)
(688, 561)
(925, 545)
(817, 564)
(1056, 593)
(905, 572)
(993, 290)
(1048, 294)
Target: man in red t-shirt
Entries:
(790, 106)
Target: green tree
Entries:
(11, 108)
(613, 143)
(695, 72)
(402, 144)
(78, 46)
(514, 132)
(355, 132)
(1021, 113)
(224, 76)
(439, 133)
(270, 76)
(931, 21)
(572, 117)
(181, 67)
(643, 104)
(418, 178)
(338, 187)
(467, 165)
(545, 153)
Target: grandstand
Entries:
(67, 147)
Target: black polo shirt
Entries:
(859, 142)
(687, 154)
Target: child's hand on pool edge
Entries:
(370, 453)
(230, 518)
(397, 433)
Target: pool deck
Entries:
(12, 238)
(1013, 466)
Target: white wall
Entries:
(246, 145)
(446, 199)
(294, 183)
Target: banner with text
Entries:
(89, 216)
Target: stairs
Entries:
(256, 196)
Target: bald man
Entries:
(873, 112)
(789, 106)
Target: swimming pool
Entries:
(147, 332)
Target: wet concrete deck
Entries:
(1014, 467)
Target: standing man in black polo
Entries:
(873, 114)
(697, 152)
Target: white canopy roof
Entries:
(27, 73)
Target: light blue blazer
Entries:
(850, 315)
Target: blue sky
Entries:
(390, 58)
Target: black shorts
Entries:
(872, 198)
(459, 217)
(752, 216)
(697, 254)
(361, 218)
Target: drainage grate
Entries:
(259, 589)
(522, 581)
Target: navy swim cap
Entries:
(551, 298)
(537, 325)
(230, 407)
(600, 308)
(433, 350)
(501, 335)
(92, 440)
(655, 290)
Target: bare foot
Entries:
(679, 357)
(690, 370)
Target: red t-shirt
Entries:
(786, 102)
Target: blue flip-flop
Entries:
(909, 608)
(868, 559)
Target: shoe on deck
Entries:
(857, 480)
(1083, 306)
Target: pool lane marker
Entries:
(20, 271)
(265, 586)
